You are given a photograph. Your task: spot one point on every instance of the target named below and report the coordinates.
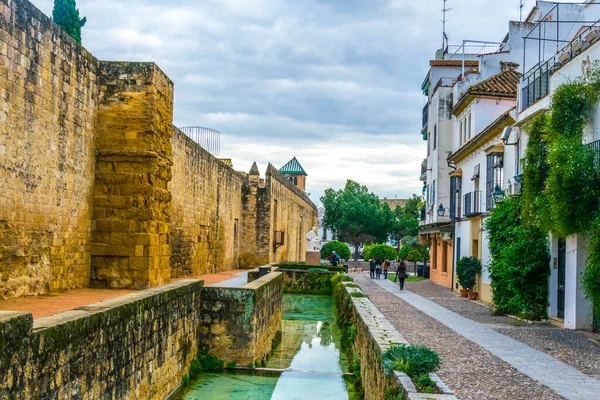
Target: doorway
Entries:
(562, 263)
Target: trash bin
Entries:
(426, 272)
(346, 268)
(262, 271)
(419, 269)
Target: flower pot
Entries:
(593, 35)
(463, 293)
(473, 295)
(564, 56)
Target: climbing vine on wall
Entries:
(561, 175)
(519, 268)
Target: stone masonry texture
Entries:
(206, 210)
(137, 346)
(133, 167)
(239, 324)
(48, 98)
(97, 188)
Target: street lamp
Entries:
(441, 210)
(498, 194)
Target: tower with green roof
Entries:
(295, 173)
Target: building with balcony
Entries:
(481, 114)
(459, 80)
(574, 41)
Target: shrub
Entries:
(466, 270)
(318, 270)
(340, 248)
(231, 365)
(412, 360)
(425, 384)
(358, 294)
(381, 251)
(185, 380)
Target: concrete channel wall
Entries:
(374, 335)
(136, 346)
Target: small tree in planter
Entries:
(467, 269)
(340, 248)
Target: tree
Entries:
(66, 15)
(356, 215)
(413, 251)
(341, 249)
(381, 251)
(406, 223)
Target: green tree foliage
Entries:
(591, 275)
(467, 269)
(66, 15)
(381, 251)
(356, 215)
(519, 269)
(406, 223)
(341, 249)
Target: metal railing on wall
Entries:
(208, 139)
(472, 203)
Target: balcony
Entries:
(536, 83)
(423, 214)
(595, 148)
(472, 204)
(425, 121)
(423, 170)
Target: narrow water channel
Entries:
(310, 362)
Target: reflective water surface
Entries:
(309, 354)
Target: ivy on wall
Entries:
(519, 268)
(561, 179)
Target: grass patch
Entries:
(358, 294)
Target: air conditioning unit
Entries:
(446, 236)
(517, 187)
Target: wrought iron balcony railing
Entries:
(472, 203)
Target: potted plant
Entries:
(467, 269)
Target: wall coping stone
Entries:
(385, 335)
(262, 281)
(104, 305)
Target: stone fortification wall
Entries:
(130, 246)
(137, 346)
(291, 212)
(239, 324)
(98, 189)
(206, 210)
(48, 97)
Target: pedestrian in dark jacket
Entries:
(386, 267)
(372, 267)
(401, 274)
(378, 268)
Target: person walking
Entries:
(386, 267)
(378, 268)
(401, 274)
(372, 267)
(334, 259)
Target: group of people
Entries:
(377, 266)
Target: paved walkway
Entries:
(45, 305)
(565, 380)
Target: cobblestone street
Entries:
(470, 370)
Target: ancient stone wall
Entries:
(48, 98)
(130, 248)
(239, 324)
(137, 346)
(291, 212)
(206, 210)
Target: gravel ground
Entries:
(469, 370)
(576, 348)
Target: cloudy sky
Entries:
(335, 83)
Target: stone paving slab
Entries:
(564, 379)
(470, 371)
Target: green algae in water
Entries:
(309, 352)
